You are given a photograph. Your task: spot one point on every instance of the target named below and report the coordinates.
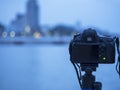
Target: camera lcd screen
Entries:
(85, 53)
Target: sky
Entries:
(104, 14)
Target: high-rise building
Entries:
(32, 15)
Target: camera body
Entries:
(91, 48)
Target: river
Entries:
(45, 67)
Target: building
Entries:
(18, 25)
(32, 15)
(27, 24)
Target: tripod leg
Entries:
(97, 86)
(87, 89)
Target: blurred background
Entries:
(35, 36)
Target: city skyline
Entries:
(102, 14)
(27, 23)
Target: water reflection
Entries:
(43, 67)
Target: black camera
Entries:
(91, 48)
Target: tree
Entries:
(2, 28)
(62, 30)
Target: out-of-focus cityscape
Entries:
(27, 25)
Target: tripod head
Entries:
(88, 81)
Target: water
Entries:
(45, 67)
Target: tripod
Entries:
(88, 81)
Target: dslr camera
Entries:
(91, 48)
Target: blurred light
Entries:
(12, 34)
(37, 35)
(104, 58)
(27, 29)
(4, 34)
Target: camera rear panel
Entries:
(93, 53)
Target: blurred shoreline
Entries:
(31, 40)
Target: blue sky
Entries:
(104, 14)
